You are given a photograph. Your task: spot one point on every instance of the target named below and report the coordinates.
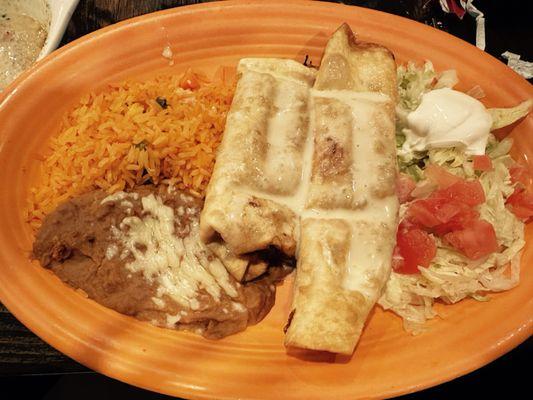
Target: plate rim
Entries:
(526, 328)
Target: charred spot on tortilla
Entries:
(308, 62)
(289, 320)
(253, 203)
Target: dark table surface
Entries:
(37, 371)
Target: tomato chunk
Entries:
(423, 213)
(440, 176)
(190, 80)
(520, 174)
(521, 203)
(467, 192)
(404, 186)
(454, 215)
(450, 213)
(414, 248)
(482, 163)
(440, 215)
(475, 241)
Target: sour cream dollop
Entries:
(448, 118)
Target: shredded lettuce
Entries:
(497, 149)
(411, 163)
(413, 82)
(447, 79)
(451, 276)
(414, 171)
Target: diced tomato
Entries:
(457, 215)
(414, 248)
(440, 176)
(440, 215)
(476, 240)
(482, 163)
(422, 213)
(190, 80)
(468, 192)
(447, 210)
(405, 225)
(450, 213)
(520, 174)
(521, 203)
(423, 189)
(404, 186)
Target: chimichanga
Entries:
(348, 224)
(257, 176)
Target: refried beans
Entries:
(139, 253)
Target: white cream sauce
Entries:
(295, 201)
(362, 106)
(283, 131)
(370, 253)
(369, 257)
(365, 135)
(381, 210)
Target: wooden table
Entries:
(508, 28)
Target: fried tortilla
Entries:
(348, 224)
(307, 165)
(256, 181)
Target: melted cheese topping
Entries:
(373, 221)
(180, 267)
(369, 258)
(111, 251)
(120, 196)
(373, 224)
(297, 199)
(172, 320)
(282, 135)
(361, 107)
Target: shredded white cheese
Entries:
(120, 196)
(172, 320)
(111, 251)
(167, 52)
(179, 267)
(158, 302)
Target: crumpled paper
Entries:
(450, 6)
(521, 67)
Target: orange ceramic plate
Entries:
(252, 364)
